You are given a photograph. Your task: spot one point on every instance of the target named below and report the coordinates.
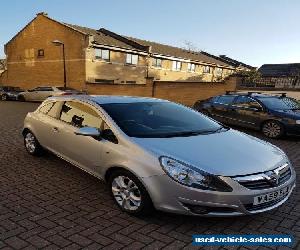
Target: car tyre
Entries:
(31, 144)
(4, 97)
(273, 129)
(21, 98)
(129, 193)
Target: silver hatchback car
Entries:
(157, 154)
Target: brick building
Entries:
(279, 75)
(95, 57)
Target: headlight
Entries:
(297, 121)
(190, 176)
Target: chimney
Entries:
(42, 13)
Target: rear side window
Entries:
(226, 99)
(245, 101)
(45, 109)
(51, 109)
(80, 115)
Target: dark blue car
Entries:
(274, 115)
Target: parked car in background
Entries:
(157, 153)
(274, 115)
(42, 93)
(9, 93)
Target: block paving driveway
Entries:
(46, 203)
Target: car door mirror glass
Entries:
(89, 131)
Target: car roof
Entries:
(106, 99)
(254, 95)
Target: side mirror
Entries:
(256, 108)
(88, 131)
(108, 135)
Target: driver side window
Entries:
(80, 115)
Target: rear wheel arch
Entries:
(275, 121)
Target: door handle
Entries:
(55, 130)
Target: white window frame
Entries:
(132, 59)
(154, 62)
(219, 71)
(101, 54)
(176, 65)
(191, 67)
(207, 69)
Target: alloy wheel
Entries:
(126, 193)
(30, 143)
(272, 129)
(3, 97)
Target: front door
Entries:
(248, 112)
(221, 108)
(83, 151)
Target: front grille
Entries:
(251, 207)
(260, 181)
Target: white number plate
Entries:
(271, 196)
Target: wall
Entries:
(189, 92)
(183, 92)
(27, 70)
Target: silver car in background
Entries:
(41, 93)
(157, 154)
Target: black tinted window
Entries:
(226, 99)
(158, 119)
(279, 103)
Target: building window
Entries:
(219, 71)
(132, 59)
(104, 81)
(103, 54)
(41, 53)
(156, 62)
(191, 67)
(206, 69)
(176, 65)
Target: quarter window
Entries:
(176, 65)
(132, 59)
(226, 99)
(45, 109)
(191, 67)
(103, 54)
(80, 115)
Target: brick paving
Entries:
(46, 203)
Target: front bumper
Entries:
(168, 195)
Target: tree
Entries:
(190, 46)
(249, 76)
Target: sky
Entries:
(252, 31)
